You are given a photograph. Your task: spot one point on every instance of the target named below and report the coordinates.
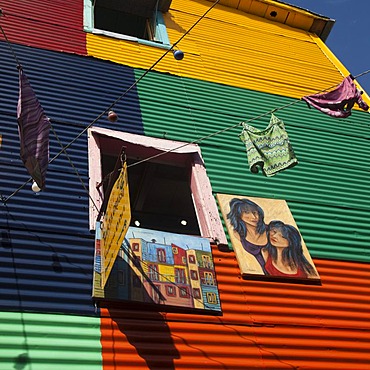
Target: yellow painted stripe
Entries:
(234, 48)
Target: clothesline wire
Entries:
(115, 101)
(361, 74)
(75, 169)
(195, 141)
(135, 83)
(9, 44)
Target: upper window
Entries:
(161, 255)
(135, 20)
(164, 191)
(191, 259)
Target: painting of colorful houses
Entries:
(160, 268)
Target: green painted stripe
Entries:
(43, 342)
(328, 191)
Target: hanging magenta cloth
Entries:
(338, 102)
(34, 129)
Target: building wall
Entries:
(236, 67)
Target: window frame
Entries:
(160, 31)
(194, 275)
(192, 259)
(211, 298)
(197, 293)
(205, 205)
(184, 292)
(170, 288)
(161, 255)
(208, 278)
(153, 272)
(180, 275)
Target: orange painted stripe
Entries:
(269, 325)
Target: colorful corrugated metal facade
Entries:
(238, 65)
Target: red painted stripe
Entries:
(52, 25)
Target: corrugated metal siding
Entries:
(327, 150)
(44, 272)
(72, 89)
(47, 246)
(44, 342)
(232, 48)
(49, 24)
(264, 325)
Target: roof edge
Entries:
(285, 13)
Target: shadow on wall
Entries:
(151, 337)
(21, 361)
(140, 324)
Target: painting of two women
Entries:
(266, 239)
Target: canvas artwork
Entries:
(160, 268)
(266, 239)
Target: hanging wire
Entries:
(196, 141)
(361, 74)
(199, 140)
(10, 45)
(75, 169)
(116, 101)
(136, 81)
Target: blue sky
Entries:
(349, 38)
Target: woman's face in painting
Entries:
(277, 239)
(250, 218)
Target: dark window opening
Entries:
(135, 18)
(161, 255)
(196, 293)
(184, 292)
(160, 195)
(180, 277)
(123, 23)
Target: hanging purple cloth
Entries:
(338, 102)
(33, 128)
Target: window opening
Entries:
(208, 278)
(194, 275)
(184, 292)
(206, 261)
(153, 272)
(163, 191)
(196, 293)
(161, 255)
(171, 291)
(180, 277)
(211, 298)
(191, 259)
(134, 20)
(160, 196)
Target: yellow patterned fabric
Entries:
(269, 149)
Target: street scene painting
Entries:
(266, 239)
(159, 268)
